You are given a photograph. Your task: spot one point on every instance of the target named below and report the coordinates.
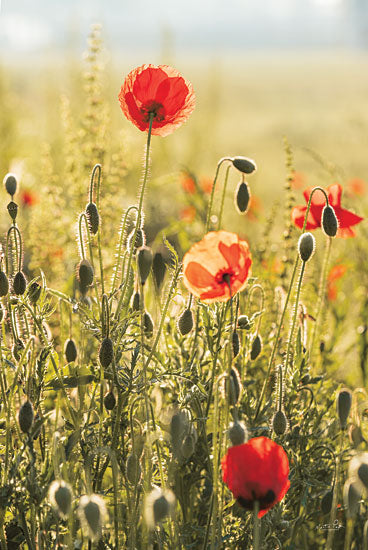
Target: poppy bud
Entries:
(256, 347)
(158, 269)
(85, 274)
(17, 348)
(326, 502)
(10, 182)
(243, 322)
(109, 401)
(106, 352)
(140, 239)
(237, 433)
(34, 292)
(60, 497)
(352, 498)
(70, 350)
(185, 322)
(279, 422)
(305, 379)
(144, 260)
(1, 312)
(4, 284)
(92, 217)
(306, 246)
(136, 302)
(13, 210)
(19, 283)
(242, 197)
(148, 324)
(235, 387)
(133, 469)
(330, 223)
(235, 343)
(158, 505)
(26, 416)
(343, 402)
(244, 165)
(178, 423)
(188, 446)
(92, 514)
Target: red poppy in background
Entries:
(219, 262)
(188, 214)
(255, 208)
(336, 272)
(357, 186)
(158, 91)
(189, 185)
(257, 470)
(298, 180)
(345, 218)
(27, 197)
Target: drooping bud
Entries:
(158, 505)
(306, 246)
(343, 405)
(243, 322)
(34, 292)
(60, 497)
(136, 304)
(148, 324)
(242, 197)
(92, 514)
(185, 322)
(235, 343)
(93, 217)
(279, 422)
(326, 502)
(244, 165)
(133, 469)
(238, 433)
(85, 275)
(352, 498)
(256, 347)
(10, 183)
(140, 239)
(330, 222)
(235, 387)
(13, 210)
(19, 283)
(70, 350)
(4, 284)
(106, 352)
(158, 269)
(26, 416)
(109, 401)
(144, 261)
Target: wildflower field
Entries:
(184, 309)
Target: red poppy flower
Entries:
(298, 180)
(346, 219)
(336, 272)
(219, 261)
(257, 470)
(188, 214)
(27, 197)
(357, 186)
(159, 91)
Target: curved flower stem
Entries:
(139, 213)
(83, 217)
(223, 197)
(91, 184)
(296, 304)
(208, 220)
(260, 288)
(98, 166)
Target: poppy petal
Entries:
(346, 218)
(334, 194)
(298, 215)
(198, 275)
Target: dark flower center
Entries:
(264, 501)
(225, 277)
(153, 108)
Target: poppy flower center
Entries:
(264, 501)
(225, 277)
(153, 108)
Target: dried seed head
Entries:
(34, 293)
(244, 165)
(157, 506)
(109, 401)
(148, 324)
(330, 222)
(235, 387)
(133, 469)
(19, 283)
(242, 197)
(92, 217)
(243, 322)
(70, 350)
(352, 497)
(306, 246)
(85, 275)
(237, 433)
(26, 416)
(13, 210)
(92, 514)
(326, 502)
(144, 260)
(60, 497)
(256, 347)
(188, 446)
(235, 343)
(4, 284)
(136, 304)
(343, 404)
(140, 239)
(158, 269)
(185, 322)
(279, 422)
(10, 183)
(106, 352)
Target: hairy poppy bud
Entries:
(19, 283)
(235, 387)
(26, 416)
(34, 292)
(60, 497)
(106, 352)
(306, 246)
(343, 403)
(109, 401)
(70, 350)
(256, 347)
(330, 223)
(140, 239)
(13, 210)
(92, 217)
(85, 274)
(144, 260)
(4, 284)
(92, 514)
(188, 446)
(133, 469)
(235, 343)
(10, 182)
(158, 269)
(237, 433)
(148, 324)
(185, 322)
(243, 322)
(242, 197)
(326, 502)
(279, 423)
(352, 498)
(158, 505)
(244, 165)
(136, 303)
